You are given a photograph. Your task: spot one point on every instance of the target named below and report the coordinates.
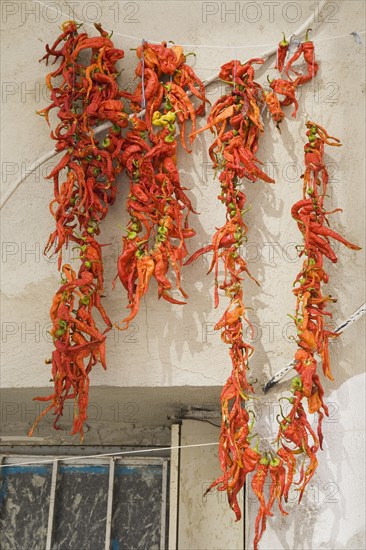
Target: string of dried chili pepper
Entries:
(157, 203)
(288, 87)
(296, 438)
(87, 95)
(237, 123)
(313, 333)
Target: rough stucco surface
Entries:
(204, 519)
(173, 346)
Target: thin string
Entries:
(105, 455)
(235, 65)
(143, 99)
(215, 46)
(339, 36)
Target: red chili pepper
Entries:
(309, 57)
(289, 458)
(258, 482)
(125, 261)
(274, 107)
(287, 89)
(157, 199)
(144, 269)
(160, 258)
(278, 476)
(282, 53)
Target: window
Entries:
(86, 504)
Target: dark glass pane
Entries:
(24, 504)
(137, 499)
(81, 507)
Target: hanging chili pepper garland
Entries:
(296, 439)
(236, 120)
(287, 87)
(313, 335)
(87, 94)
(158, 227)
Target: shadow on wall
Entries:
(261, 198)
(131, 416)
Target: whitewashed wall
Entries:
(169, 345)
(177, 343)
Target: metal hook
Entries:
(357, 37)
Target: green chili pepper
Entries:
(296, 384)
(116, 129)
(106, 142)
(163, 230)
